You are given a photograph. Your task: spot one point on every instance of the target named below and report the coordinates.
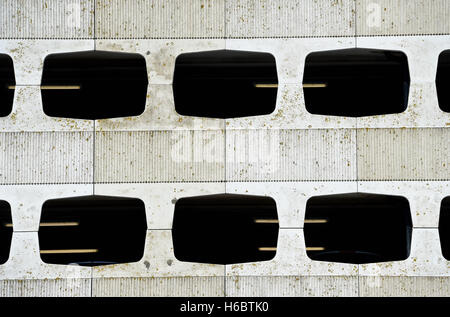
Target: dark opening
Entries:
(225, 84)
(6, 231)
(225, 229)
(443, 81)
(358, 228)
(7, 85)
(94, 85)
(444, 227)
(92, 230)
(356, 82)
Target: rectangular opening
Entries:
(356, 82)
(92, 230)
(225, 229)
(94, 85)
(358, 228)
(225, 84)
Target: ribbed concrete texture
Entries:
(297, 18)
(291, 155)
(54, 19)
(405, 286)
(159, 286)
(403, 154)
(402, 17)
(72, 287)
(123, 19)
(160, 156)
(277, 286)
(46, 157)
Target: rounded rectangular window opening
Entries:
(225, 229)
(92, 230)
(356, 82)
(6, 231)
(94, 85)
(7, 85)
(443, 81)
(225, 84)
(444, 227)
(358, 228)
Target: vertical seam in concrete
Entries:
(224, 281)
(356, 24)
(93, 161)
(93, 143)
(225, 21)
(356, 121)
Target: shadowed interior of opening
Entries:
(6, 231)
(225, 84)
(443, 81)
(225, 229)
(444, 227)
(92, 230)
(356, 82)
(94, 85)
(7, 84)
(358, 228)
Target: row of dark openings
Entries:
(225, 229)
(224, 83)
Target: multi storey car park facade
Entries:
(161, 156)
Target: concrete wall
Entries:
(161, 156)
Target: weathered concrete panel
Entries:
(403, 154)
(55, 19)
(186, 286)
(402, 17)
(292, 286)
(72, 287)
(160, 156)
(291, 155)
(404, 286)
(278, 18)
(121, 19)
(46, 157)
